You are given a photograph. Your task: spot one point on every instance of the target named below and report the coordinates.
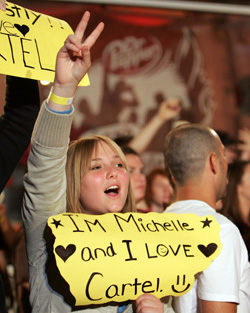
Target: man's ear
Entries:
(171, 176)
(172, 179)
(213, 161)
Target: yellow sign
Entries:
(117, 257)
(30, 42)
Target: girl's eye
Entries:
(96, 167)
(119, 165)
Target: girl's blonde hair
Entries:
(78, 163)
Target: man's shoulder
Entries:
(199, 208)
(189, 206)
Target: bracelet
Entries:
(60, 100)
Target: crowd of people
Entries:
(204, 174)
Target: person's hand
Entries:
(73, 59)
(2, 214)
(2, 210)
(2, 5)
(169, 109)
(244, 143)
(148, 303)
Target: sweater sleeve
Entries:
(45, 181)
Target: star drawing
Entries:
(206, 223)
(56, 223)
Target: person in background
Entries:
(133, 147)
(159, 191)
(168, 110)
(236, 203)
(195, 157)
(16, 124)
(138, 178)
(231, 152)
(244, 144)
(230, 144)
(13, 251)
(7, 235)
(90, 176)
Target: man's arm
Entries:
(217, 307)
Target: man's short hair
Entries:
(186, 149)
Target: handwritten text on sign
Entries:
(30, 42)
(116, 257)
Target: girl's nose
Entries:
(112, 172)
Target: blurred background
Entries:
(198, 51)
(150, 51)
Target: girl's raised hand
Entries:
(73, 59)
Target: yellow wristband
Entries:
(60, 100)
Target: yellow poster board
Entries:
(117, 257)
(29, 42)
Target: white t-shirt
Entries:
(228, 277)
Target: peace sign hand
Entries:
(73, 59)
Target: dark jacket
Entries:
(16, 124)
(22, 103)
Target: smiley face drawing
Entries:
(178, 283)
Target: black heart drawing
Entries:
(209, 250)
(24, 29)
(63, 253)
